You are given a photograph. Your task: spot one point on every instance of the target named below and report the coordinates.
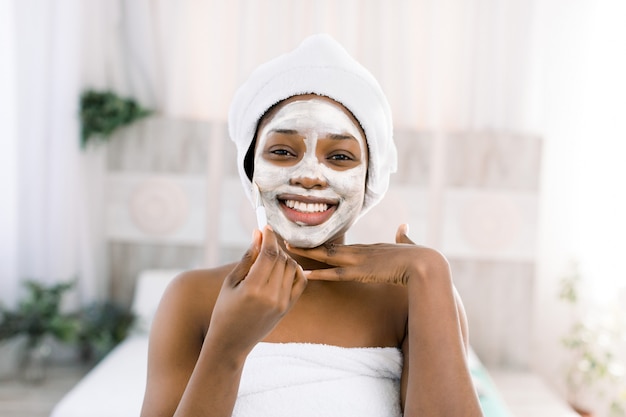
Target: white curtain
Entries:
(583, 181)
(41, 75)
(601, 134)
(8, 157)
(444, 64)
(583, 200)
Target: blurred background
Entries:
(509, 118)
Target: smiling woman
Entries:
(366, 330)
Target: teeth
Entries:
(306, 207)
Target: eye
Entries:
(340, 157)
(340, 151)
(280, 153)
(342, 160)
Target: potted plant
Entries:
(102, 326)
(37, 318)
(595, 373)
(103, 112)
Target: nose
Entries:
(309, 174)
(309, 182)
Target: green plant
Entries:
(593, 340)
(103, 326)
(38, 315)
(102, 112)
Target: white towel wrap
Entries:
(301, 379)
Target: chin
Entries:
(304, 237)
(305, 243)
(301, 239)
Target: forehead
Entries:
(315, 101)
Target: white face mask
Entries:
(312, 185)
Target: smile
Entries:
(306, 211)
(306, 207)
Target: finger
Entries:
(329, 253)
(294, 282)
(354, 274)
(242, 269)
(275, 273)
(269, 254)
(278, 287)
(402, 234)
(299, 284)
(280, 279)
(335, 274)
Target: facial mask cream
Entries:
(310, 202)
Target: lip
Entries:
(305, 218)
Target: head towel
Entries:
(319, 65)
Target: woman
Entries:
(304, 324)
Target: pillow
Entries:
(151, 285)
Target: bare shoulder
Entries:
(199, 280)
(191, 295)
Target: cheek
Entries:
(350, 182)
(268, 176)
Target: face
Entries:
(310, 165)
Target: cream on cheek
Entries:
(312, 119)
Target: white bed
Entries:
(115, 386)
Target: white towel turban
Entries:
(319, 65)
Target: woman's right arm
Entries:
(176, 347)
(190, 374)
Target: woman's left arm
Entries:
(402, 237)
(436, 380)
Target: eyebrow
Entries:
(333, 136)
(285, 131)
(339, 136)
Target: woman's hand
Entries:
(373, 263)
(254, 297)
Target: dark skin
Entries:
(383, 295)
